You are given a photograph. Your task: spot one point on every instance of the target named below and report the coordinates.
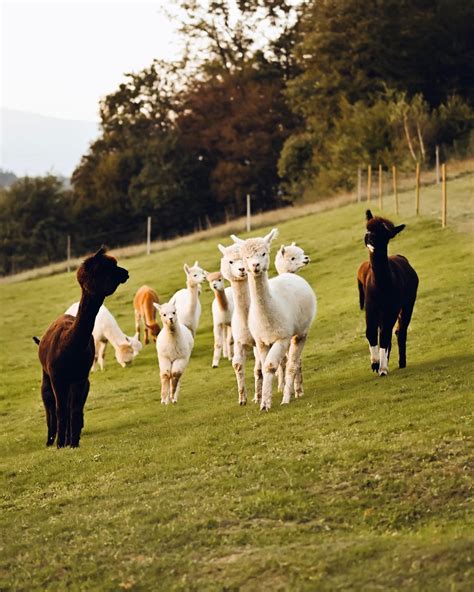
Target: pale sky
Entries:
(59, 58)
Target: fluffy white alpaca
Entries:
(222, 308)
(107, 329)
(174, 345)
(187, 301)
(290, 259)
(233, 270)
(281, 312)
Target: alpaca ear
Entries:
(368, 215)
(271, 235)
(158, 308)
(293, 244)
(196, 264)
(398, 229)
(282, 249)
(221, 248)
(186, 268)
(236, 239)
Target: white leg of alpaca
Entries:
(270, 366)
(165, 375)
(293, 364)
(383, 368)
(230, 342)
(137, 324)
(177, 370)
(101, 353)
(238, 363)
(281, 374)
(217, 345)
(374, 354)
(259, 353)
(225, 352)
(298, 384)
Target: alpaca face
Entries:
(124, 354)
(100, 274)
(256, 255)
(379, 232)
(232, 266)
(290, 259)
(216, 281)
(195, 275)
(168, 314)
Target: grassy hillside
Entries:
(364, 484)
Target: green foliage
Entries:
(364, 484)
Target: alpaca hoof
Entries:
(383, 372)
(214, 365)
(402, 364)
(375, 366)
(241, 403)
(285, 402)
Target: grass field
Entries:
(364, 484)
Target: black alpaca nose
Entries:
(123, 275)
(241, 269)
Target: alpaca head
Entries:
(379, 232)
(124, 353)
(195, 275)
(256, 252)
(232, 266)
(100, 275)
(216, 281)
(290, 259)
(168, 314)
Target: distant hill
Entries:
(34, 144)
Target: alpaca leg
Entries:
(299, 392)
(385, 345)
(137, 324)
(225, 345)
(258, 374)
(165, 377)
(270, 366)
(230, 342)
(176, 374)
(281, 374)
(100, 354)
(78, 395)
(372, 337)
(238, 363)
(50, 408)
(292, 368)
(217, 345)
(61, 397)
(401, 332)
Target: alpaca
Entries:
(290, 259)
(144, 312)
(66, 351)
(187, 301)
(233, 270)
(278, 323)
(387, 289)
(222, 308)
(174, 346)
(107, 329)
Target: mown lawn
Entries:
(365, 484)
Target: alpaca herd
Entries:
(269, 317)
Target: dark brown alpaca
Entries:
(387, 288)
(66, 351)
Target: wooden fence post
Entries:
(444, 195)
(148, 235)
(380, 187)
(417, 192)
(437, 164)
(395, 188)
(248, 213)
(369, 182)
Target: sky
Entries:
(59, 58)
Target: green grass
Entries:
(364, 484)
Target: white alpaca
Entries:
(174, 345)
(290, 259)
(187, 301)
(233, 270)
(222, 308)
(107, 329)
(281, 312)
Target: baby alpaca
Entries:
(222, 308)
(188, 306)
(107, 329)
(174, 346)
(290, 259)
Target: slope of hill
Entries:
(34, 144)
(364, 484)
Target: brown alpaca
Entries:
(387, 289)
(146, 312)
(66, 351)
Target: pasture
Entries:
(364, 484)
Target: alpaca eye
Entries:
(231, 262)
(292, 258)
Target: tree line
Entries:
(272, 98)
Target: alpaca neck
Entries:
(260, 294)
(175, 331)
(240, 291)
(221, 298)
(85, 318)
(113, 333)
(380, 266)
(193, 291)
